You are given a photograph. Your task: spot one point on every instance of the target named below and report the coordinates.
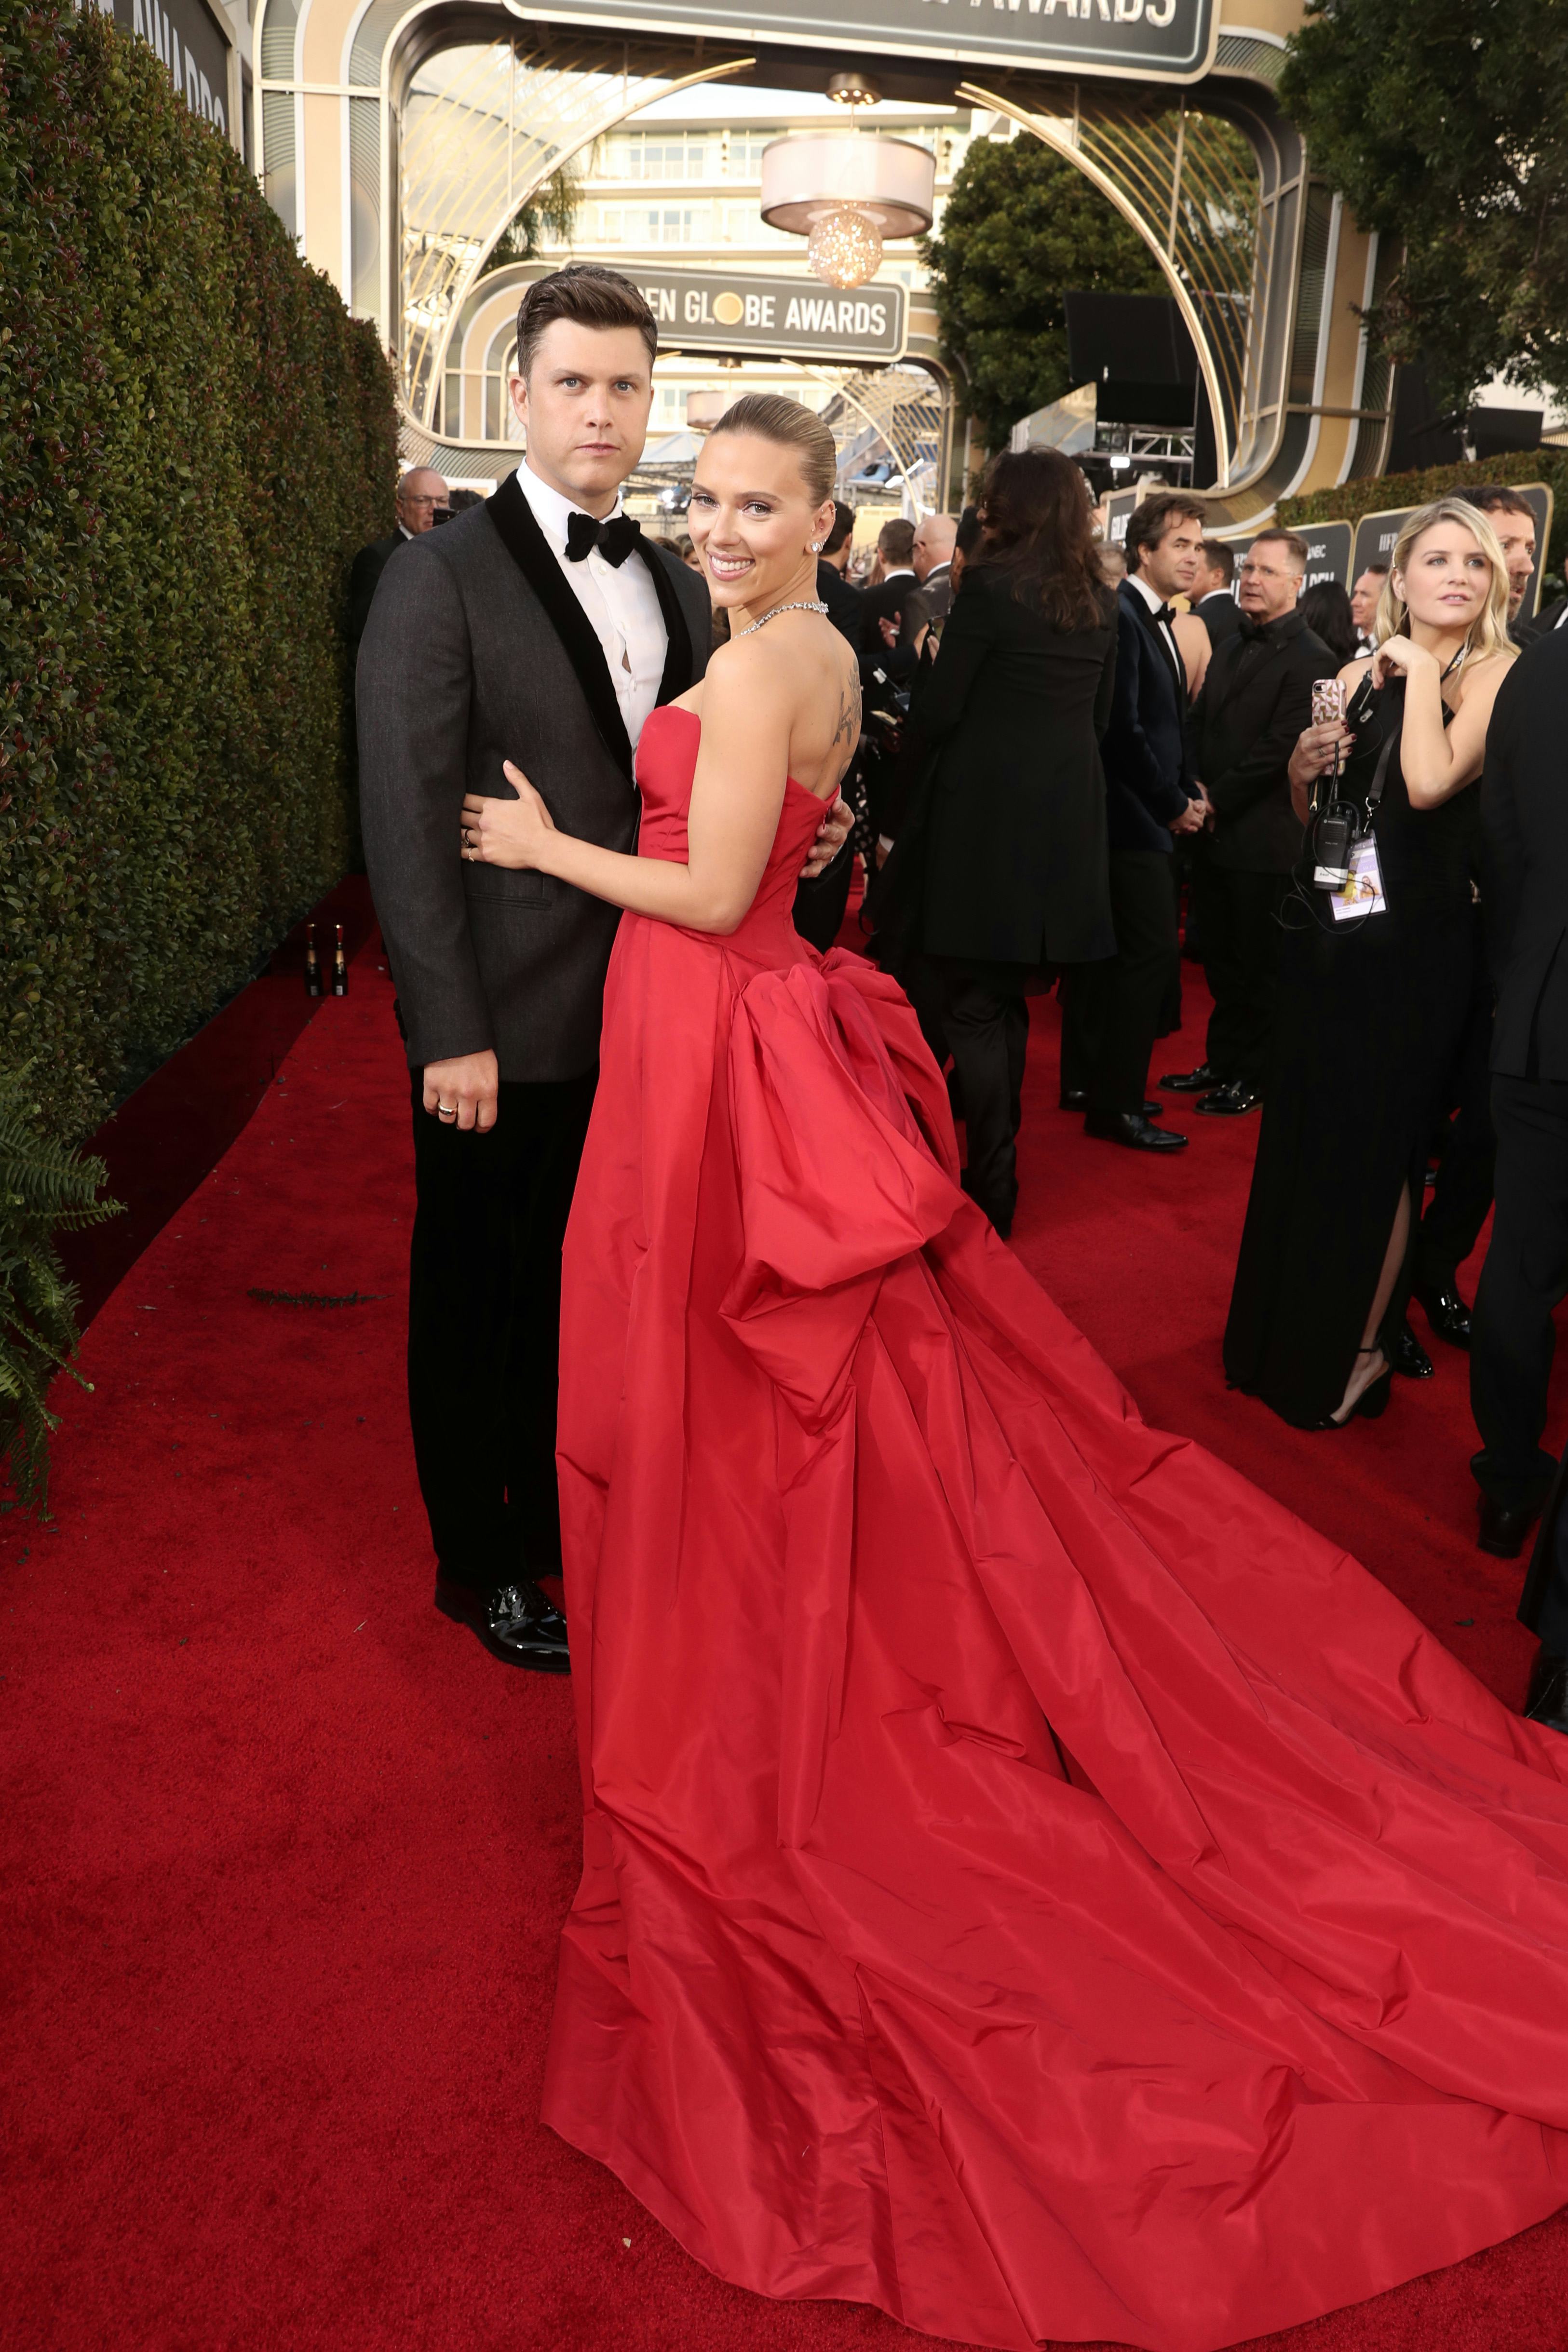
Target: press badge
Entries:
(1361, 893)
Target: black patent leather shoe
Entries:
(1076, 1099)
(1230, 1100)
(1132, 1130)
(1503, 1529)
(1408, 1357)
(516, 1623)
(1547, 1701)
(1446, 1311)
(1193, 1082)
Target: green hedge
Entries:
(1385, 492)
(195, 437)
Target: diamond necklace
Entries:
(805, 604)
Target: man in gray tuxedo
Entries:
(543, 628)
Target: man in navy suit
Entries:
(1113, 1009)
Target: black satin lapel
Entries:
(531, 553)
(677, 636)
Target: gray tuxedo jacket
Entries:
(476, 651)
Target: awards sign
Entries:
(768, 318)
(1168, 40)
(192, 42)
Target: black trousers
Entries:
(1512, 1335)
(484, 1327)
(1543, 1606)
(1111, 1010)
(1463, 1191)
(1238, 917)
(986, 1021)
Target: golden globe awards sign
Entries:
(1168, 40)
(766, 318)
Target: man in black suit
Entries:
(1113, 1009)
(884, 600)
(841, 601)
(1256, 700)
(422, 497)
(1213, 600)
(1524, 817)
(540, 628)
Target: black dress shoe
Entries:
(1076, 1099)
(1408, 1357)
(517, 1624)
(1231, 1100)
(1446, 1311)
(1193, 1082)
(1547, 1701)
(1138, 1133)
(1503, 1529)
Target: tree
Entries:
(1022, 226)
(552, 211)
(1443, 128)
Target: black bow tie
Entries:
(614, 539)
(1252, 631)
(1166, 613)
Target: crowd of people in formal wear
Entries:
(1080, 763)
(959, 1753)
(1100, 769)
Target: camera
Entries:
(1335, 838)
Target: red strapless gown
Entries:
(1033, 1884)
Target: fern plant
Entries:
(44, 1189)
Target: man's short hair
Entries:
(1293, 543)
(1221, 558)
(970, 532)
(1151, 518)
(1379, 569)
(843, 524)
(895, 540)
(590, 295)
(1496, 498)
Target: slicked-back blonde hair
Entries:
(1489, 630)
(773, 417)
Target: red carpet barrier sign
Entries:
(1168, 40)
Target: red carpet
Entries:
(280, 1932)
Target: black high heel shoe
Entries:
(1373, 1400)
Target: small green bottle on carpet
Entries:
(312, 962)
(340, 966)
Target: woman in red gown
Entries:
(1032, 1883)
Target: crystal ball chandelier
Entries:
(846, 192)
(845, 246)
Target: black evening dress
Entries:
(1370, 1017)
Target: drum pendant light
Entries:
(846, 192)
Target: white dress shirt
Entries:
(620, 601)
(1152, 598)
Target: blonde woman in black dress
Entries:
(1370, 1010)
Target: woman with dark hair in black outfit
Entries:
(999, 862)
(1325, 607)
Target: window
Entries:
(666, 224)
(641, 156)
(744, 161)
